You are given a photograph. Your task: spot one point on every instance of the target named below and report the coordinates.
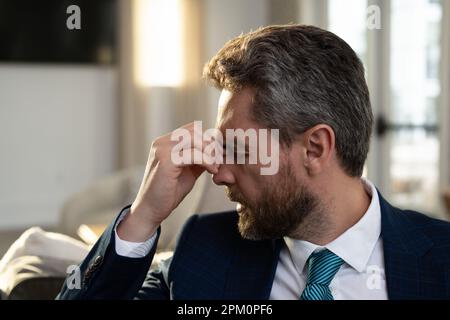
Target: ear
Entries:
(319, 142)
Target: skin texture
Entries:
(310, 198)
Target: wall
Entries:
(58, 134)
(223, 21)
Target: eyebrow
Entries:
(246, 147)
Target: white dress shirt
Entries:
(360, 277)
(362, 274)
(132, 249)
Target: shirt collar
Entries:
(354, 246)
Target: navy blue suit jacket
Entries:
(212, 261)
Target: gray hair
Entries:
(303, 76)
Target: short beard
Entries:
(285, 208)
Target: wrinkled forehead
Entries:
(235, 110)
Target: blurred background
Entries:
(80, 107)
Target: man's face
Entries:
(269, 206)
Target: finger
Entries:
(194, 156)
(188, 125)
(195, 140)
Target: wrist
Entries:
(136, 228)
(144, 215)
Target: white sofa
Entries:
(102, 201)
(35, 265)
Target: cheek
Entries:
(249, 180)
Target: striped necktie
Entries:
(322, 267)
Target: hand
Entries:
(164, 186)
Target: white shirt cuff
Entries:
(132, 249)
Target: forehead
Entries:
(235, 110)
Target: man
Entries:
(315, 230)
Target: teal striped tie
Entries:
(322, 267)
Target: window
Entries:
(415, 89)
(407, 168)
(350, 25)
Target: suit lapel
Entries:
(254, 263)
(403, 247)
(252, 270)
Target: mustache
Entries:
(235, 196)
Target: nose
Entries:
(224, 176)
